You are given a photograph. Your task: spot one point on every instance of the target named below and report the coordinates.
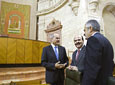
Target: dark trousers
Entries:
(58, 83)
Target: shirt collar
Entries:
(80, 48)
(94, 33)
(53, 45)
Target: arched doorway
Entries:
(109, 23)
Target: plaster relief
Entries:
(93, 6)
(74, 4)
(54, 26)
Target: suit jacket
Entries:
(80, 62)
(48, 61)
(98, 61)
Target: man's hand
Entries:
(72, 68)
(69, 67)
(63, 65)
(59, 66)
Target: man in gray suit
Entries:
(78, 55)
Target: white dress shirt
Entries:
(53, 46)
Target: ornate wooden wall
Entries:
(20, 51)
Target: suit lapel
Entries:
(53, 53)
(80, 55)
(59, 52)
(74, 58)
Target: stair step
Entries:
(21, 74)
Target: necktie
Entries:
(77, 54)
(56, 53)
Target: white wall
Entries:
(72, 25)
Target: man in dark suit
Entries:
(78, 55)
(55, 60)
(98, 57)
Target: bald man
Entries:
(77, 63)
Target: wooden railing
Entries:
(20, 51)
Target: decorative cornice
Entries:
(58, 5)
(53, 29)
(93, 1)
(53, 26)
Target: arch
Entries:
(104, 5)
(108, 17)
(101, 9)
